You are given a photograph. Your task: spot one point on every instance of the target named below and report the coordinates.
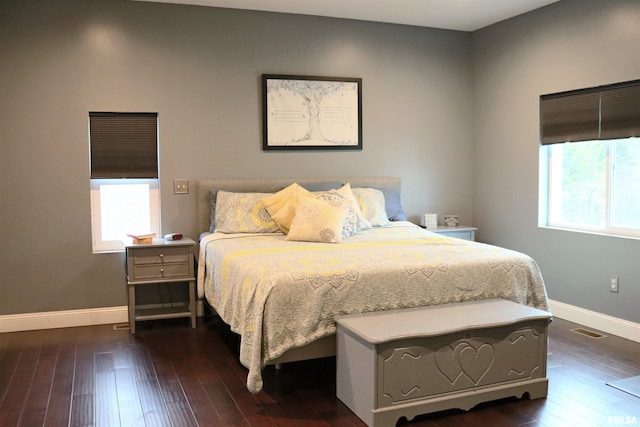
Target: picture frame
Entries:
(311, 112)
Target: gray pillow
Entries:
(393, 204)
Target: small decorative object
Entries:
(430, 221)
(145, 238)
(173, 236)
(451, 220)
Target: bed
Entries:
(281, 295)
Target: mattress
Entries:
(278, 294)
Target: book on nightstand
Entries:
(142, 238)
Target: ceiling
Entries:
(462, 15)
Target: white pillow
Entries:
(371, 202)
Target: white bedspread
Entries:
(280, 295)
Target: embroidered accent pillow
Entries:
(351, 224)
(347, 193)
(242, 213)
(317, 220)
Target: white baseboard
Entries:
(63, 319)
(592, 319)
(100, 316)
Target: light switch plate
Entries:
(180, 186)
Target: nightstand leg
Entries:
(132, 308)
(192, 302)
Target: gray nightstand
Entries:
(461, 232)
(160, 262)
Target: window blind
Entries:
(123, 145)
(604, 112)
(621, 112)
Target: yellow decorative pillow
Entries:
(372, 204)
(282, 205)
(316, 220)
(242, 213)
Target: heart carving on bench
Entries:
(476, 363)
(464, 359)
(447, 362)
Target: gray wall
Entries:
(455, 115)
(568, 45)
(200, 69)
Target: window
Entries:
(121, 206)
(595, 186)
(124, 177)
(593, 183)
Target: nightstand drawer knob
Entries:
(162, 270)
(161, 255)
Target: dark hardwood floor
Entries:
(171, 375)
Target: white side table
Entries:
(461, 231)
(160, 262)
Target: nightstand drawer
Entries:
(167, 271)
(143, 256)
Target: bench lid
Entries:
(383, 326)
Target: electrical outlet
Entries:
(180, 186)
(613, 284)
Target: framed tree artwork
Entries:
(312, 113)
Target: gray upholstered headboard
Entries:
(204, 188)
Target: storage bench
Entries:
(403, 363)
